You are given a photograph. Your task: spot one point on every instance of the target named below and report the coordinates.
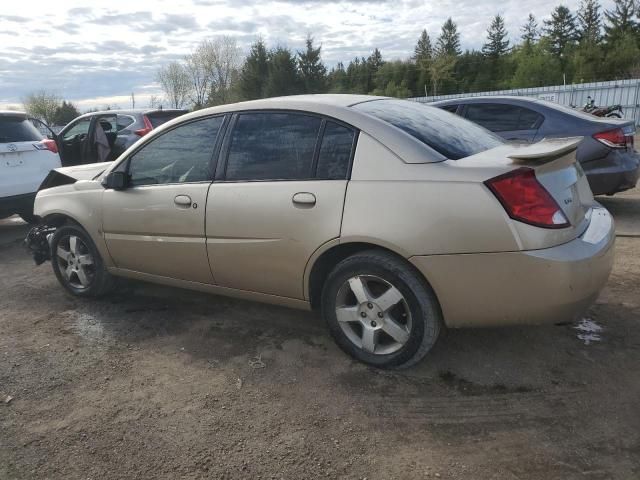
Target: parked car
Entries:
(103, 136)
(390, 217)
(26, 157)
(607, 153)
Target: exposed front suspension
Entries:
(37, 243)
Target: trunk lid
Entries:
(554, 162)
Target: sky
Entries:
(98, 53)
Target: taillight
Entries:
(147, 127)
(526, 200)
(612, 138)
(47, 144)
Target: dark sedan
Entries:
(607, 152)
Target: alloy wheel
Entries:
(373, 314)
(75, 261)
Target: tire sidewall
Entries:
(422, 313)
(94, 288)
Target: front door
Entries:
(278, 197)
(157, 224)
(72, 140)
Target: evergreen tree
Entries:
(65, 113)
(313, 73)
(561, 30)
(283, 76)
(372, 65)
(423, 51)
(449, 40)
(337, 79)
(622, 60)
(537, 67)
(530, 32)
(254, 73)
(620, 21)
(589, 22)
(497, 41)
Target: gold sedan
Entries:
(391, 217)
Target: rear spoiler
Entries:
(545, 149)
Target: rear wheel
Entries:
(77, 263)
(380, 310)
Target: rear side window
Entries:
(501, 117)
(272, 146)
(335, 152)
(17, 129)
(448, 134)
(123, 121)
(158, 118)
(449, 108)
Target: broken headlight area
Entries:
(37, 243)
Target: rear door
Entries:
(156, 226)
(278, 197)
(511, 122)
(24, 161)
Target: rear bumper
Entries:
(530, 287)
(17, 204)
(616, 172)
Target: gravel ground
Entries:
(155, 382)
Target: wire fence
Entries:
(618, 92)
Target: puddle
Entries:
(86, 326)
(588, 331)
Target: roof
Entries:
(12, 113)
(131, 111)
(484, 98)
(329, 105)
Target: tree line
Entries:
(588, 45)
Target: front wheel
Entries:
(77, 263)
(380, 310)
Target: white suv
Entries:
(26, 158)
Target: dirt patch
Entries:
(154, 382)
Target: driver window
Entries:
(181, 155)
(80, 128)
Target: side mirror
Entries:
(116, 180)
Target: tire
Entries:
(414, 321)
(614, 115)
(77, 263)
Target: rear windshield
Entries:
(448, 134)
(17, 129)
(158, 118)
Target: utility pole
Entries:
(133, 100)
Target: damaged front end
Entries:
(38, 244)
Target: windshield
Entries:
(17, 129)
(448, 134)
(158, 118)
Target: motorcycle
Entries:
(613, 111)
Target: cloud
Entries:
(14, 18)
(87, 50)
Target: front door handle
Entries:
(183, 201)
(304, 199)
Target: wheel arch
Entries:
(332, 253)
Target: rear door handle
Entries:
(183, 201)
(304, 199)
